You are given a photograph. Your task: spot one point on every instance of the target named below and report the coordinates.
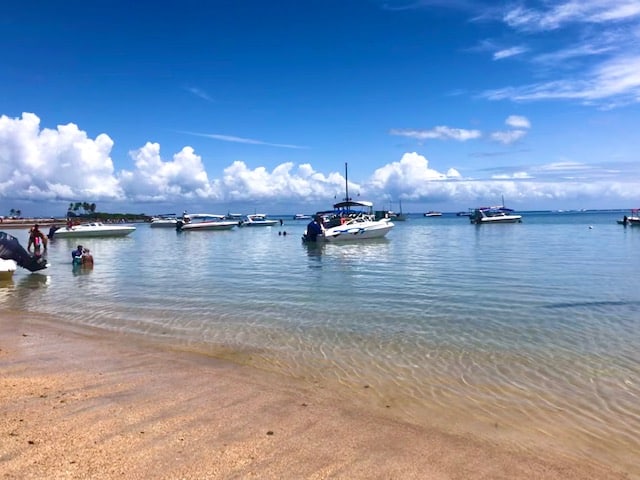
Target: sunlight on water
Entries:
(502, 330)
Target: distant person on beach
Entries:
(37, 240)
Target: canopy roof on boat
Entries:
(353, 203)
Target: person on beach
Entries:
(37, 240)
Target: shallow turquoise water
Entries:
(534, 327)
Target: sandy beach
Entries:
(84, 404)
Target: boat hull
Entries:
(80, 232)
(261, 223)
(192, 227)
(503, 219)
(164, 224)
(357, 231)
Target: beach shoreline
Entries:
(82, 403)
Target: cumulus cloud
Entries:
(61, 163)
(184, 177)
(411, 177)
(66, 165)
(519, 125)
(438, 133)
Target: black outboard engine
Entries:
(10, 249)
(179, 225)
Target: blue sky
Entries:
(255, 105)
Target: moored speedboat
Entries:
(352, 221)
(499, 214)
(93, 229)
(204, 221)
(433, 214)
(258, 220)
(167, 220)
(633, 219)
(348, 221)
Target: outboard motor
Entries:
(10, 249)
(179, 225)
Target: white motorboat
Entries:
(7, 268)
(258, 220)
(433, 214)
(499, 214)
(204, 221)
(353, 220)
(93, 229)
(167, 220)
(301, 216)
(632, 219)
(350, 220)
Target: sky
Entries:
(251, 105)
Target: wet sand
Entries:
(86, 404)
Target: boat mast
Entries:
(346, 183)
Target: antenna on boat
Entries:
(346, 182)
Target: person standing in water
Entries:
(37, 240)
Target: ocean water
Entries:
(528, 333)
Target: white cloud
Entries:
(612, 83)
(509, 52)
(54, 164)
(508, 137)
(64, 165)
(439, 133)
(154, 179)
(200, 93)
(517, 121)
(573, 11)
(249, 141)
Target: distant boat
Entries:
(433, 214)
(301, 216)
(258, 220)
(499, 214)
(463, 214)
(204, 221)
(165, 220)
(633, 219)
